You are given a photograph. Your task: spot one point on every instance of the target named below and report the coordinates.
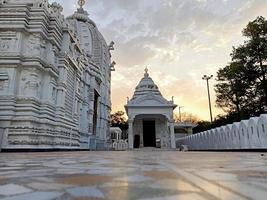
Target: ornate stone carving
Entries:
(8, 41)
(48, 74)
(33, 45)
(30, 83)
(111, 46)
(4, 44)
(112, 66)
(53, 93)
(56, 10)
(41, 4)
(3, 80)
(43, 49)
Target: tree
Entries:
(202, 126)
(256, 48)
(241, 90)
(255, 55)
(233, 91)
(118, 120)
(186, 117)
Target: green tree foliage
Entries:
(241, 90)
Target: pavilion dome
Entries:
(146, 86)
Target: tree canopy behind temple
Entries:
(242, 87)
(118, 120)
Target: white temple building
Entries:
(55, 75)
(150, 117)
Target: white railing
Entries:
(244, 135)
(120, 145)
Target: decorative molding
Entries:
(45, 70)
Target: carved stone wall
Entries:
(9, 42)
(30, 83)
(48, 77)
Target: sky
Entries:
(179, 41)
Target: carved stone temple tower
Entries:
(150, 117)
(55, 75)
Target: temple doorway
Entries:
(137, 141)
(149, 133)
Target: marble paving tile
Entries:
(135, 192)
(246, 190)
(43, 179)
(84, 180)
(179, 185)
(179, 197)
(12, 189)
(7, 172)
(27, 175)
(209, 187)
(217, 176)
(134, 179)
(35, 196)
(86, 192)
(10, 168)
(48, 186)
(116, 184)
(258, 184)
(156, 174)
(133, 175)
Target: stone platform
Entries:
(142, 175)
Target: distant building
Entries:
(183, 129)
(55, 75)
(150, 115)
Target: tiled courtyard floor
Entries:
(142, 175)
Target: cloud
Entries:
(180, 40)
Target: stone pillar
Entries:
(173, 143)
(130, 134)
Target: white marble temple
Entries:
(55, 77)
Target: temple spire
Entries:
(81, 3)
(146, 72)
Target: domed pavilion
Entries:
(150, 117)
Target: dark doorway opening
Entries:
(136, 141)
(149, 133)
(96, 96)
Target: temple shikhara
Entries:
(55, 75)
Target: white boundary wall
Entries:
(244, 135)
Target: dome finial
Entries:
(81, 3)
(146, 72)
